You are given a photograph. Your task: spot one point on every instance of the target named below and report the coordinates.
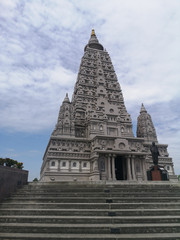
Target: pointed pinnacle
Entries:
(142, 108)
(66, 99)
(93, 33)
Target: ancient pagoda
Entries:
(93, 138)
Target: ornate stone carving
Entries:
(95, 122)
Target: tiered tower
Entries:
(93, 138)
(145, 127)
(146, 130)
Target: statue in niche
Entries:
(155, 153)
(102, 165)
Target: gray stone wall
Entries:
(10, 179)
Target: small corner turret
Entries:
(143, 109)
(145, 126)
(66, 99)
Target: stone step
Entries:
(80, 199)
(96, 187)
(88, 219)
(101, 184)
(76, 188)
(90, 228)
(129, 198)
(104, 193)
(90, 212)
(141, 205)
(56, 236)
(100, 189)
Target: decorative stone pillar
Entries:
(91, 166)
(69, 166)
(48, 165)
(173, 169)
(113, 168)
(80, 166)
(144, 169)
(59, 162)
(95, 174)
(109, 168)
(129, 177)
(124, 171)
(96, 166)
(133, 168)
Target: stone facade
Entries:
(93, 138)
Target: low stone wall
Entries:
(10, 179)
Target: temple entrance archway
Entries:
(121, 168)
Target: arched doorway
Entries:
(120, 168)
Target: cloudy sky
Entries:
(41, 45)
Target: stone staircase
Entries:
(120, 210)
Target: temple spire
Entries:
(142, 108)
(93, 38)
(66, 99)
(93, 42)
(145, 126)
(94, 130)
(93, 33)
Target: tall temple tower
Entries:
(93, 138)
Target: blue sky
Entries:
(41, 45)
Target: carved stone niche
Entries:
(121, 145)
(79, 132)
(103, 144)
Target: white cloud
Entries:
(32, 98)
(8, 8)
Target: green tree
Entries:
(8, 162)
(35, 180)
